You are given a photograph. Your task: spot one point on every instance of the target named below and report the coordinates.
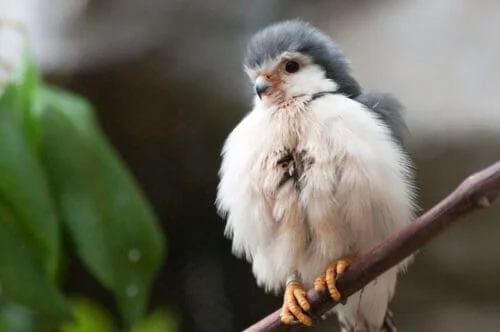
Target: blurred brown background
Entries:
(166, 79)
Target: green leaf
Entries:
(89, 317)
(20, 94)
(24, 190)
(161, 320)
(68, 160)
(115, 233)
(15, 318)
(22, 277)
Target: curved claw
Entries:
(295, 304)
(327, 279)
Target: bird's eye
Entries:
(292, 67)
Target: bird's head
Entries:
(291, 59)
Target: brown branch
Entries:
(477, 191)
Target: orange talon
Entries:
(294, 305)
(319, 283)
(327, 279)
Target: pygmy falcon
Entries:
(315, 175)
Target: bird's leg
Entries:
(327, 279)
(295, 302)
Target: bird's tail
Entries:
(387, 326)
(367, 310)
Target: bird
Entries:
(315, 176)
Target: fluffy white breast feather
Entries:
(345, 188)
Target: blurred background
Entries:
(166, 79)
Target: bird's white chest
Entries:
(307, 185)
(296, 176)
(285, 159)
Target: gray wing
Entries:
(388, 109)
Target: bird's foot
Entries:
(327, 279)
(295, 304)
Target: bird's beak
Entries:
(261, 86)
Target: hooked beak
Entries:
(261, 86)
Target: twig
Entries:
(477, 191)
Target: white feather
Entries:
(356, 193)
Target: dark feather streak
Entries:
(294, 164)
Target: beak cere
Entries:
(261, 86)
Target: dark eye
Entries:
(292, 67)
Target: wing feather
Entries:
(389, 110)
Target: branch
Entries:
(477, 191)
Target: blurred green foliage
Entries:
(59, 175)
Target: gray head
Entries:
(293, 58)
